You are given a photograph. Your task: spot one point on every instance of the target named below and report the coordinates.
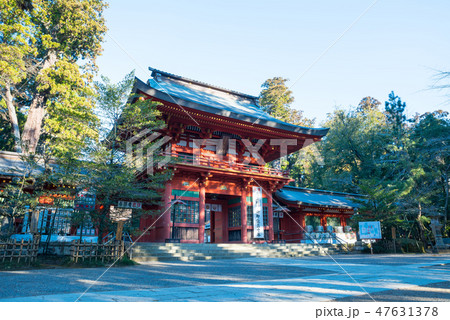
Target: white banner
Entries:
(258, 225)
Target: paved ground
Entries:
(356, 278)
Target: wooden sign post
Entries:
(119, 215)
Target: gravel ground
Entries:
(388, 277)
(146, 276)
(433, 292)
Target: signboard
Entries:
(258, 225)
(370, 230)
(130, 205)
(278, 214)
(119, 214)
(34, 221)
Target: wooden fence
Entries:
(14, 250)
(94, 251)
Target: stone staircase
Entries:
(143, 252)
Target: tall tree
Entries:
(276, 99)
(109, 173)
(431, 149)
(16, 46)
(51, 50)
(395, 115)
(368, 104)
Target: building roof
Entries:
(13, 165)
(215, 100)
(322, 198)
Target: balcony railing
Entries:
(223, 164)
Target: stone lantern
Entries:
(436, 227)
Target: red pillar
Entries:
(303, 224)
(323, 222)
(225, 222)
(244, 215)
(201, 216)
(270, 216)
(343, 222)
(167, 212)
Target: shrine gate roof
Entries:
(322, 198)
(215, 100)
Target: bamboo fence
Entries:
(94, 251)
(15, 250)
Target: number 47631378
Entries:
(407, 311)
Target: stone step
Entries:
(189, 251)
(195, 258)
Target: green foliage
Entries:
(125, 261)
(400, 165)
(395, 114)
(368, 104)
(276, 99)
(6, 135)
(14, 265)
(47, 62)
(106, 169)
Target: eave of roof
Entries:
(270, 122)
(318, 198)
(12, 165)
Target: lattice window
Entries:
(266, 216)
(234, 217)
(250, 216)
(186, 213)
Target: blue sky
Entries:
(397, 45)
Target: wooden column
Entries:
(303, 224)
(270, 215)
(244, 214)
(166, 212)
(225, 222)
(323, 222)
(201, 216)
(343, 222)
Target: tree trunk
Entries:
(13, 119)
(421, 226)
(33, 125)
(446, 191)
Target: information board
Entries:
(370, 230)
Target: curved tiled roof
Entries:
(322, 198)
(215, 100)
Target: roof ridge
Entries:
(200, 83)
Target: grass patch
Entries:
(14, 265)
(53, 261)
(126, 261)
